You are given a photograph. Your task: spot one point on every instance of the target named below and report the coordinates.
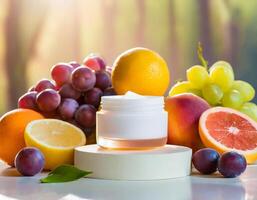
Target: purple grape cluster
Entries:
(74, 94)
(229, 164)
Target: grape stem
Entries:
(178, 80)
(201, 58)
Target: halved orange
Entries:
(225, 129)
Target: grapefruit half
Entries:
(226, 129)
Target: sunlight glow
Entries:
(73, 197)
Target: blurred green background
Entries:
(36, 34)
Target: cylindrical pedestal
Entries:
(160, 163)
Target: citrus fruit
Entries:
(56, 139)
(12, 125)
(225, 129)
(142, 71)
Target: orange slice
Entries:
(226, 129)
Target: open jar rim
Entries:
(121, 100)
(121, 103)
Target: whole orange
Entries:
(142, 71)
(12, 126)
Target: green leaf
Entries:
(202, 60)
(64, 173)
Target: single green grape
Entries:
(222, 63)
(222, 76)
(196, 92)
(212, 93)
(246, 90)
(184, 87)
(180, 87)
(232, 99)
(198, 76)
(249, 109)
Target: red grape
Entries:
(44, 84)
(48, 100)
(86, 116)
(103, 80)
(31, 89)
(232, 164)
(83, 79)
(74, 64)
(67, 108)
(61, 73)
(206, 160)
(81, 99)
(109, 91)
(51, 115)
(73, 122)
(29, 161)
(94, 62)
(88, 131)
(93, 97)
(109, 70)
(28, 101)
(67, 91)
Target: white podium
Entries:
(165, 162)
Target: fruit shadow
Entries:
(10, 171)
(197, 174)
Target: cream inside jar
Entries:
(131, 121)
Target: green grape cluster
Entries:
(218, 87)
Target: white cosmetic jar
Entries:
(131, 122)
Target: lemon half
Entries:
(56, 139)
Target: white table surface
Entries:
(13, 186)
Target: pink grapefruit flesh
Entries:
(226, 129)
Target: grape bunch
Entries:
(218, 87)
(74, 94)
